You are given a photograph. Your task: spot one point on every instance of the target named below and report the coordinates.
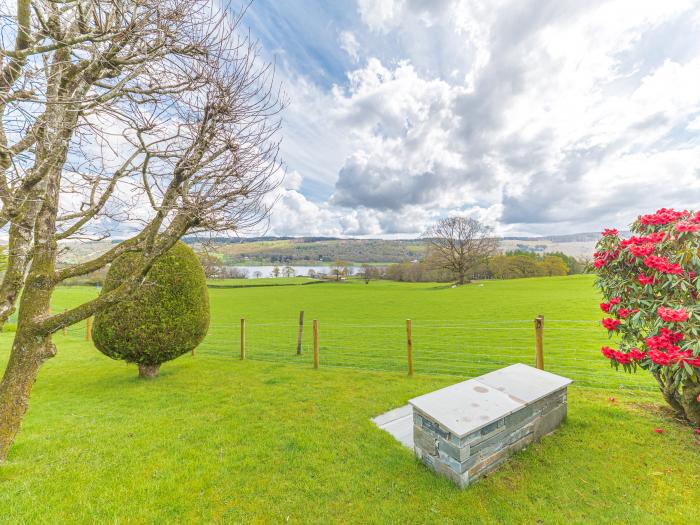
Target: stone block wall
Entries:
(467, 458)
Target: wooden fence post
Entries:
(315, 343)
(88, 329)
(242, 338)
(409, 347)
(301, 331)
(539, 342)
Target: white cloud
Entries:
(538, 116)
(350, 45)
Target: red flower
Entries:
(611, 324)
(603, 258)
(637, 354)
(607, 352)
(697, 430)
(662, 216)
(659, 358)
(615, 300)
(611, 232)
(672, 316)
(624, 312)
(653, 238)
(605, 307)
(661, 264)
(643, 279)
(658, 430)
(687, 226)
(642, 250)
(622, 358)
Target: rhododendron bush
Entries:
(650, 285)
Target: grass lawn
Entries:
(215, 439)
(462, 331)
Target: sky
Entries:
(537, 117)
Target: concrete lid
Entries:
(468, 406)
(524, 382)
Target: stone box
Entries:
(465, 430)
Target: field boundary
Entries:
(567, 347)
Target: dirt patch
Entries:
(661, 411)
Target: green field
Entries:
(462, 331)
(270, 440)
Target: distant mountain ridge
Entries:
(571, 237)
(283, 250)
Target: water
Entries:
(299, 271)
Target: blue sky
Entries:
(538, 117)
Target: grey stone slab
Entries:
(428, 440)
(549, 422)
(399, 423)
(465, 407)
(392, 415)
(524, 383)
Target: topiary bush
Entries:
(167, 317)
(651, 287)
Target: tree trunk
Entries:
(148, 371)
(673, 399)
(461, 278)
(27, 355)
(691, 405)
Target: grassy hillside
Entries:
(215, 439)
(305, 251)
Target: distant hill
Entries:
(326, 250)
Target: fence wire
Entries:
(465, 349)
(468, 349)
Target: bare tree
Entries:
(340, 269)
(151, 115)
(460, 244)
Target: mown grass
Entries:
(215, 439)
(463, 331)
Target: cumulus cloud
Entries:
(539, 116)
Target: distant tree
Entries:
(575, 265)
(276, 271)
(257, 274)
(339, 269)
(514, 266)
(212, 265)
(289, 271)
(554, 265)
(367, 273)
(311, 273)
(232, 272)
(459, 244)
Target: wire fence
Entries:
(466, 349)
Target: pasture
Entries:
(270, 440)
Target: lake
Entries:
(266, 271)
